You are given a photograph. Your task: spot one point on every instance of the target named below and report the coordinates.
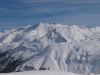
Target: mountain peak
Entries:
(63, 46)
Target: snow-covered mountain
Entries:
(45, 46)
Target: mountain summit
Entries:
(45, 46)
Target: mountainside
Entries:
(54, 46)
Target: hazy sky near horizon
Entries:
(19, 13)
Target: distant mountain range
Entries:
(45, 46)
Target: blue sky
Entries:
(19, 13)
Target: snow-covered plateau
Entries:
(41, 73)
(51, 47)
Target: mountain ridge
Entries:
(46, 46)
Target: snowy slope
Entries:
(54, 47)
(42, 73)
